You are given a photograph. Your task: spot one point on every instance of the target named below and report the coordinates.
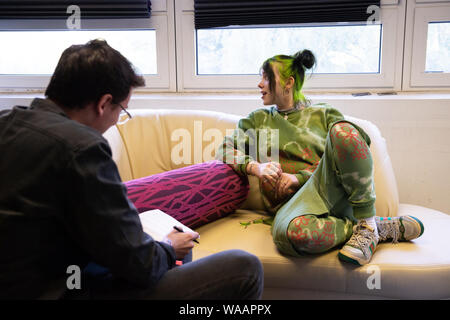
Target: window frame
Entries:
(419, 14)
(162, 14)
(392, 16)
(403, 53)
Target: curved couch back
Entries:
(158, 140)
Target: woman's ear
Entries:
(100, 106)
(290, 82)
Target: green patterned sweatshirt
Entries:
(297, 142)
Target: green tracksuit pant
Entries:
(321, 214)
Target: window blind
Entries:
(221, 13)
(89, 9)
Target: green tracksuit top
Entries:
(296, 140)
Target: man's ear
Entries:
(102, 103)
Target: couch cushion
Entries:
(194, 195)
(119, 152)
(161, 140)
(408, 270)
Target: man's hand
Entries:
(182, 242)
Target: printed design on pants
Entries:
(311, 237)
(347, 140)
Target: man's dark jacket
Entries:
(62, 203)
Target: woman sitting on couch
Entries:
(314, 168)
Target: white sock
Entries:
(372, 223)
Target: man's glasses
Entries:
(124, 115)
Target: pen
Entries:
(179, 230)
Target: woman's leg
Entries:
(347, 163)
(318, 234)
(341, 190)
(354, 162)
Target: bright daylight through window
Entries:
(339, 49)
(438, 47)
(26, 47)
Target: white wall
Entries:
(416, 128)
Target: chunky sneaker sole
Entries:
(403, 228)
(355, 256)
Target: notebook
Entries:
(158, 224)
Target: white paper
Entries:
(158, 224)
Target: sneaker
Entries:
(404, 228)
(361, 246)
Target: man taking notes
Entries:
(62, 202)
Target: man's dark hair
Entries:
(86, 72)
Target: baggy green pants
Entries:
(321, 214)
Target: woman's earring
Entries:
(286, 92)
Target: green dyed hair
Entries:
(290, 66)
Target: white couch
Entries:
(419, 269)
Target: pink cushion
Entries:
(194, 195)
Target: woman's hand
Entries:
(268, 172)
(286, 185)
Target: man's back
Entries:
(36, 146)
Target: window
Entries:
(427, 47)
(340, 49)
(438, 47)
(350, 55)
(26, 54)
(31, 48)
(408, 50)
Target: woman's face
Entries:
(269, 97)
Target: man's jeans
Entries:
(232, 274)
